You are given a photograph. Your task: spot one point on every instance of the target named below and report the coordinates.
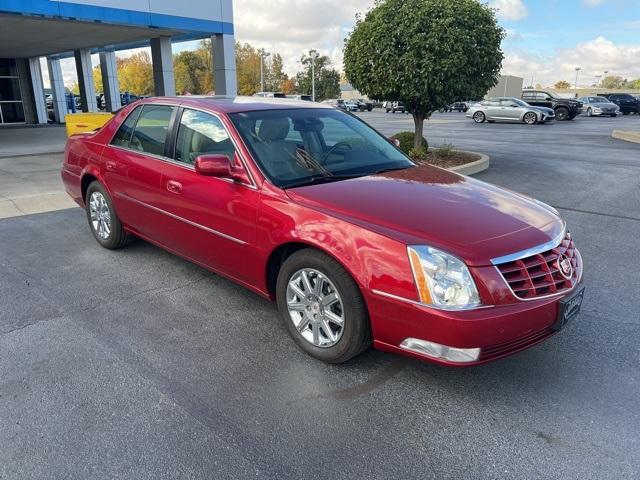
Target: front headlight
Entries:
(443, 281)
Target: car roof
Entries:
(224, 104)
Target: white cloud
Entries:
(293, 28)
(593, 3)
(510, 9)
(593, 57)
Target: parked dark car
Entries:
(627, 102)
(364, 105)
(456, 106)
(565, 108)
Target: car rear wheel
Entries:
(103, 220)
(479, 117)
(530, 118)
(321, 307)
(562, 114)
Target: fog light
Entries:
(435, 350)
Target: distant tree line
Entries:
(611, 82)
(193, 70)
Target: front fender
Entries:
(374, 261)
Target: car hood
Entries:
(603, 105)
(427, 205)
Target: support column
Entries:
(163, 79)
(110, 84)
(39, 103)
(57, 89)
(224, 65)
(22, 66)
(85, 80)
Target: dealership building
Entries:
(32, 29)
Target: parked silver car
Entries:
(599, 106)
(511, 110)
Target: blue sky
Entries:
(546, 39)
(549, 38)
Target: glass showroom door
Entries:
(11, 108)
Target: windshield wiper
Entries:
(315, 179)
(391, 169)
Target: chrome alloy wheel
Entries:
(530, 118)
(315, 307)
(100, 215)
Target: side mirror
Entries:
(221, 166)
(213, 166)
(394, 141)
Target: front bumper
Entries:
(499, 331)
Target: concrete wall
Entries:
(508, 86)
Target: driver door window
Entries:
(200, 133)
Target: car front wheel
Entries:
(103, 220)
(562, 114)
(589, 112)
(321, 307)
(530, 118)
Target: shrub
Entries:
(406, 142)
(445, 150)
(418, 154)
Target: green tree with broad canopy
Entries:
(424, 53)
(327, 78)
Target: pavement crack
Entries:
(30, 324)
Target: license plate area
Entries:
(568, 308)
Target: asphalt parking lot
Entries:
(137, 364)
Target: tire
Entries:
(530, 118)
(626, 113)
(562, 114)
(614, 115)
(589, 112)
(103, 220)
(479, 117)
(354, 335)
(388, 110)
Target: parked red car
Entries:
(310, 207)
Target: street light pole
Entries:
(598, 77)
(576, 84)
(314, 56)
(605, 76)
(263, 55)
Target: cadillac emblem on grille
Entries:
(564, 267)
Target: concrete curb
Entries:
(626, 135)
(474, 167)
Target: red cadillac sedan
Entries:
(312, 208)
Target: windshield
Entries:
(517, 101)
(599, 100)
(295, 147)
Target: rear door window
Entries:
(150, 134)
(123, 135)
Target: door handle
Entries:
(111, 165)
(174, 187)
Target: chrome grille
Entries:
(539, 274)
